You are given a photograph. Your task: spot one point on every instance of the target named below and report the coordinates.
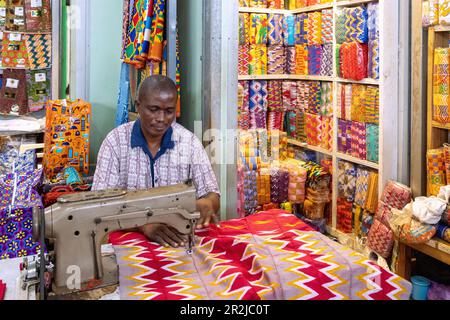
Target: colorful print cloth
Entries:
(38, 88)
(39, 48)
(268, 256)
(38, 15)
(17, 189)
(14, 51)
(12, 161)
(13, 94)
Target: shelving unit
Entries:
(388, 85)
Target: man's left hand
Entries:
(206, 207)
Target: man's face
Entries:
(157, 111)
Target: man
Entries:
(154, 151)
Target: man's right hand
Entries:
(164, 235)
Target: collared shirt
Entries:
(125, 161)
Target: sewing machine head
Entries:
(79, 224)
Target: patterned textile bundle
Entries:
(371, 105)
(374, 59)
(248, 144)
(156, 40)
(297, 182)
(357, 215)
(340, 27)
(362, 186)
(71, 119)
(447, 161)
(303, 95)
(383, 213)
(344, 216)
(258, 59)
(38, 89)
(2, 17)
(314, 28)
(314, 59)
(358, 132)
(15, 17)
(338, 60)
(443, 232)
(356, 28)
(373, 22)
(275, 95)
(39, 50)
(244, 28)
(326, 64)
(258, 28)
(340, 103)
(258, 104)
(358, 110)
(354, 60)
(381, 239)
(263, 180)
(263, 145)
(18, 189)
(275, 120)
(444, 12)
(313, 129)
(441, 85)
(13, 92)
(275, 30)
(250, 191)
(243, 105)
(301, 55)
(240, 192)
(326, 97)
(276, 63)
(290, 124)
(366, 223)
(396, 195)
(38, 15)
(301, 3)
(301, 29)
(257, 3)
(314, 97)
(279, 185)
(372, 193)
(327, 133)
(289, 96)
(327, 26)
(446, 217)
(12, 161)
(14, 52)
(344, 137)
(289, 31)
(436, 171)
(346, 180)
(291, 60)
(372, 142)
(275, 4)
(300, 126)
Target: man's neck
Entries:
(153, 143)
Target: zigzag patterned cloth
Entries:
(372, 142)
(436, 171)
(238, 259)
(39, 48)
(258, 28)
(314, 28)
(291, 60)
(313, 129)
(346, 180)
(314, 97)
(358, 110)
(301, 29)
(279, 185)
(373, 22)
(244, 28)
(258, 104)
(326, 97)
(362, 186)
(353, 60)
(340, 27)
(326, 64)
(157, 35)
(374, 59)
(275, 95)
(344, 137)
(243, 105)
(314, 59)
(289, 31)
(297, 182)
(344, 216)
(356, 28)
(372, 104)
(447, 160)
(441, 85)
(275, 120)
(39, 88)
(300, 126)
(275, 30)
(290, 96)
(381, 239)
(327, 133)
(327, 26)
(303, 95)
(276, 60)
(275, 4)
(291, 124)
(244, 60)
(301, 56)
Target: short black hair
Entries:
(157, 83)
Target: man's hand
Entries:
(164, 235)
(208, 208)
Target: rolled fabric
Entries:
(276, 63)
(314, 59)
(289, 96)
(357, 215)
(344, 215)
(250, 191)
(374, 59)
(275, 120)
(314, 97)
(326, 97)
(157, 35)
(244, 60)
(362, 186)
(396, 195)
(243, 105)
(373, 21)
(301, 29)
(297, 182)
(303, 95)
(353, 60)
(263, 145)
(300, 126)
(258, 28)
(314, 28)
(275, 30)
(441, 85)
(358, 110)
(327, 26)
(344, 137)
(290, 60)
(258, 104)
(327, 133)
(444, 12)
(372, 193)
(356, 28)
(313, 129)
(301, 56)
(371, 105)
(381, 239)
(289, 30)
(346, 180)
(326, 64)
(340, 27)
(244, 28)
(279, 185)
(263, 182)
(436, 171)
(372, 142)
(275, 95)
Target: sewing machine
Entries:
(78, 225)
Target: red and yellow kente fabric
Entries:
(268, 256)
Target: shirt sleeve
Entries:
(203, 175)
(107, 172)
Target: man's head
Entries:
(156, 105)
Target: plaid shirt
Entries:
(125, 161)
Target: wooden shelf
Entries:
(316, 7)
(358, 161)
(442, 28)
(364, 81)
(438, 125)
(284, 77)
(312, 148)
(263, 10)
(352, 2)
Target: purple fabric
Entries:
(438, 292)
(17, 188)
